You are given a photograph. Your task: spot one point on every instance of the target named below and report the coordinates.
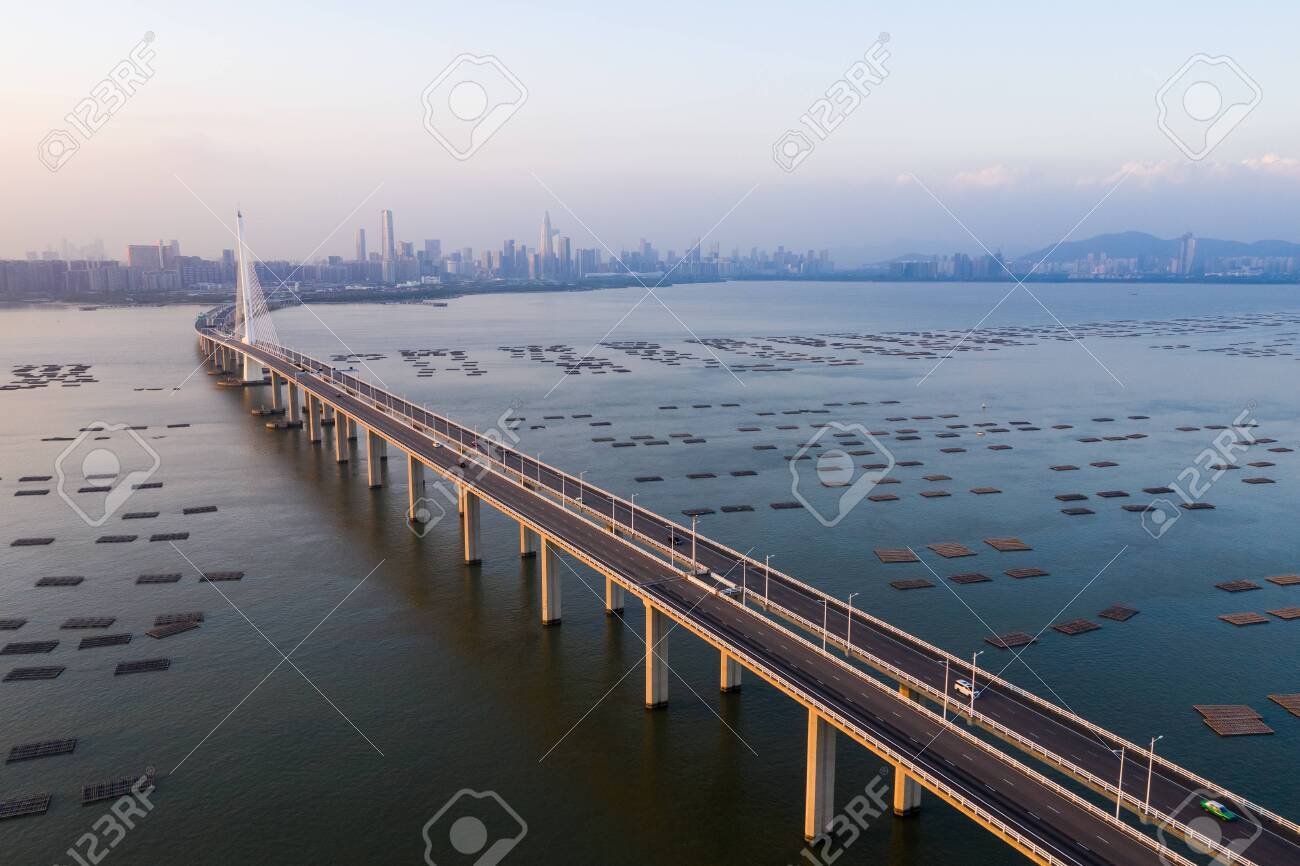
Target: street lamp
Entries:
(1151, 765)
(632, 527)
(824, 610)
(539, 470)
(972, 682)
(767, 576)
(1119, 788)
(946, 666)
(695, 566)
(848, 631)
(743, 583)
(580, 474)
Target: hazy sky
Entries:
(645, 120)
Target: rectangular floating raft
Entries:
(951, 549)
(1010, 640)
(215, 576)
(1007, 544)
(174, 577)
(25, 674)
(1291, 703)
(896, 554)
(168, 618)
(1021, 573)
(1075, 626)
(115, 788)
(142, 666)
(970, 577)
(1284, 579)
(89, 622)
(43, 749)
(104, 640)
(915, 583)
(1237, 586)
(1240, 619)
(170, 629)
(1232, 720)
(1119, 612)
(31, 804)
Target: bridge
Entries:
(855, 674)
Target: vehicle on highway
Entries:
(730, 590)
(1218, 810)
(964, 688)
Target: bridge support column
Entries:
(551, 594)
(656, 657)
(252, 370)
(374, 472)
(470, 529)
(295, 404)
(352, 427)
(313, 418)
(819, 786)
(528, 541)
(341, 439)
(416, 512)
(327, 415)
(907, 792)
(729, 674)
(614, 596)
(277, 405)
(460, 500)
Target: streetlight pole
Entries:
(1151, 765)
(632, 526)
(580, 485)
(972, 682)
(1119, 788)
(539, 471)
(767, 576)
(848, 631)
(743, 584)
(946, 665)
(695, 565)
(824, 610)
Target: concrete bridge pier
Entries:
(252, 370)
(551, 594)
(657, 625)
(907, 792)
(470, 527)
(352, 428)
(295, 404)
(277, 405)
(313, 418)
(729, 674)
(327, 415)
(341, 438)
(614, 597)
(416, 511)
(819, 787)
(374, 472)
(528, 542)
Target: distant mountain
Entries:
(1128, 245)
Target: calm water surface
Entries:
(415, 677)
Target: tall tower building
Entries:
(361, 245)
(387, 239)
(546, 246)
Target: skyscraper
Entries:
(546, 247)
(389, 246)
(361, 245)
(1186, 253)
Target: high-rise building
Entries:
(361, 245)
(1186, 253)
(433, 249)
(545, 247)
(144, 256)
(387, 240)
(388, 246)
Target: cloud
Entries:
(989, 177)
(1181, 171)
